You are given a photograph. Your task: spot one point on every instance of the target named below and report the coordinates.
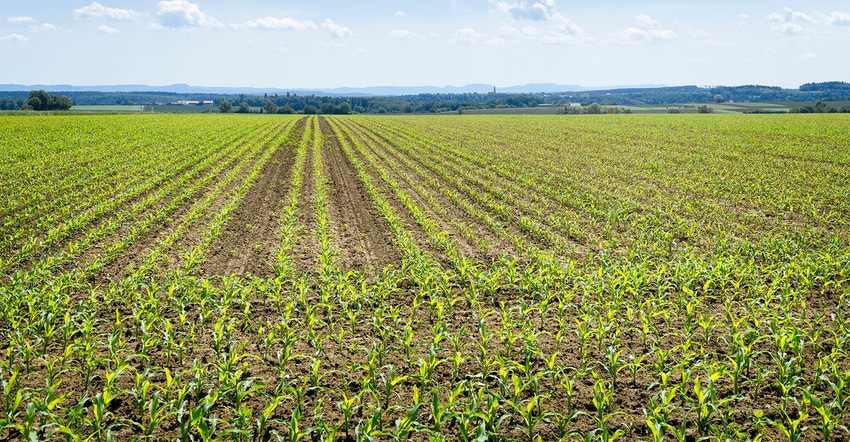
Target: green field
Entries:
(474, 277)
(170, 109)
(108, 108)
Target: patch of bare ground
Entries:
(362, 235)
(476, 175)
(195, 236)
(382, 147)
(305, 252)
(136, 252)
(250, 238)
(520, 201)
(416, 232)
(440, 189)
(100, 247)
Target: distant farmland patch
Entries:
(108, 108)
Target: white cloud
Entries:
(182, 14)
(20, 19)
(537, 10)
(809, 56)
(655, 34)
(789, 21)
(336, 31)
(646, 22)
(108, 29)
(275, 23)
(97, 10)
(565, 33)
(648, 31)
(407, 35)
(566, 26)
(44, 27)
(793, 22)
(399, 14)
(838, 18)
(555, 29)
(467, 36)
(791, 15)
(14, 37)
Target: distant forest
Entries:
(432, 103)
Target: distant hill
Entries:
(334, 92)
(435, 99)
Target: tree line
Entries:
(42, 101)
(37, 100)
(270, 107)
(820, 108)
(451, 102)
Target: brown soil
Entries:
(467, 248)
(415, 231)
(305, 252)
(362, 236)
(446, 206)
(346, 330)
(498, 245)
(139, 249)
(250, 238)
(517, 197)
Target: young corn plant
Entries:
(531, 414)
(602, 397)
(828, 412)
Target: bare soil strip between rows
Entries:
(383, 148)
(124, 201)
(417, 233)
(531, 195)
(222, 164)
(363, 237)
(508, 227)
(250, 238)
(102, 245)
(136, 252)
(464, 246)
(195, 236)
(305, 252)
(544, 232)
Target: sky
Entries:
(343, 43)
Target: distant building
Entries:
(575, 105)
(544, 105)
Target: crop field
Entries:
(108, 108)
(466, 277)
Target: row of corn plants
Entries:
(743, 339)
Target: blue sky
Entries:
(322, 44)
